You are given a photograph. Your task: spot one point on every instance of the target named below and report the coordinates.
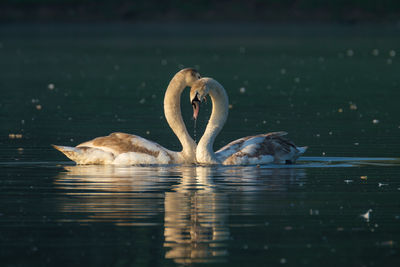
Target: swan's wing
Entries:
(260, 149)
(119, 143)
(237, 145)
(123, 148)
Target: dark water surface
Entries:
(333, 88)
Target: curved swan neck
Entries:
(220, 106)
(172, 111)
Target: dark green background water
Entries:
(324, 84)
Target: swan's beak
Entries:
(196, 106)
(196, 109)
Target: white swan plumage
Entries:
(127, 149)
(257, 149)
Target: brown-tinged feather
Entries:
(120, 143)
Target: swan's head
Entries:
(191, 75)
(198, 94)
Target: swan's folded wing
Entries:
(248, 145)
(131, 149)
(260, 149)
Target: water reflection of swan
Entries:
(196, 202)
(127, 149)
(122, 195)
(196, 215)
(259, 149)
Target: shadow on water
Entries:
(196, 202)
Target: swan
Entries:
(257, 149)
(127, 149)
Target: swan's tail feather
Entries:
(72, 153)
(302, 150)
(297, 153)
(86, 155)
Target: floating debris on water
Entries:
(350, 52)
(348, 181)
(392, 53)
(142, 101)
(282, 261)
(39, 107)
(375, 52)
(14, 136)
(147, 132)
(20, 150)
(382, 184)
(366, 215)
(364, 177)
(264, 122)
(356, 143)
(353, 106)
(51, 86)
(340, 110)
(375, 121)
(297, 80)
(242, 90)
(283, 71)
(230, 106)
(314, 212)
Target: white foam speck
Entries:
(350, 53)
